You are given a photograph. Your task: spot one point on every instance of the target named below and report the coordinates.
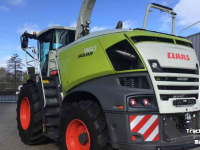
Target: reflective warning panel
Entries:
(147, 125)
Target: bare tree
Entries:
(3, 75)
(14, 68)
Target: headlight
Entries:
(155, 66)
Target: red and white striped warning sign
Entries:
(147, 125)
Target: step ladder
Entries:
(52, 109)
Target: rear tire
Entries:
(29, 115)
(89, 114)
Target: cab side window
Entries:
(123, 56)
(62, 38)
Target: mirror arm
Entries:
(28, 35)
(24, 49)
(28, 53)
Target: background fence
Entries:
(195, 38)
(8, 92)
(8, 98)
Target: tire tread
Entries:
(36, 135)
(96, 114)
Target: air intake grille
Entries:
(129, 82)
(137, 39)
(184, 43)
(134, 82)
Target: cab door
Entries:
(44, 48)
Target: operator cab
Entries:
(53, 38)
(50, 39)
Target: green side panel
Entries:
(111, 39)
(148, 33)
(75, 70)
(27, 77)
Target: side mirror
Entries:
(24, 42)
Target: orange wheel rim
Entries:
(25, 113)
(77, 136)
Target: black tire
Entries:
(34, 133)
(90, 113)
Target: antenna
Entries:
(188, 27)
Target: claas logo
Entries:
(178, 56)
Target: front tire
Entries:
(29, 114)
(84, 124)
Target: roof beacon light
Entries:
(34, 33)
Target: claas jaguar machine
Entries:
(115, 89)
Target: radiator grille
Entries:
(165, 97)
(177, 83)
(176, 70)
(178, 87)
(177, 79)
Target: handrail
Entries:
(42, 85)
(56, 60)
(161, 8)
(36, 66)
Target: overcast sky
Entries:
(16, 16)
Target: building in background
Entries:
(195, 38)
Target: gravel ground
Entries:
(9, 136)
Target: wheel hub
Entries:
(25, 113)
(77, 136)
(83, 138)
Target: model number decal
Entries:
(88, 51)
(178, 56)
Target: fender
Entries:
(110, 93)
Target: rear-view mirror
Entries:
(24, 42)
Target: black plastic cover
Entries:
(165, 7)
